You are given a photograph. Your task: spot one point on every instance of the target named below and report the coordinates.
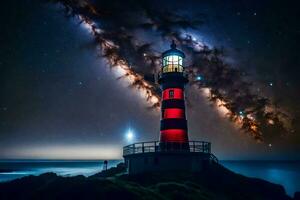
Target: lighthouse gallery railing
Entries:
(148, 147)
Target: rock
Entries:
(297, 196)
(120, 168)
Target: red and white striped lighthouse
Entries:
(173, 127)
(174, 151)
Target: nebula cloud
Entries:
(114, 26)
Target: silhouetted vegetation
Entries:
(216, 182)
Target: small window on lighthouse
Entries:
(171, 94)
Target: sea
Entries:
(286, 173)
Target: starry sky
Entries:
(60, 100)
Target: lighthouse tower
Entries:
(174, 151)
(173, 126)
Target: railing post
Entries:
(194, 146)
(143, 147)
(180, 147)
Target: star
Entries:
(270, 145)
(199, 78)
(241, 114)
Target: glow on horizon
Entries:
(67, 152)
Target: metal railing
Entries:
(156, 146)
(214, 158)
(185, 74)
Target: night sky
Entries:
(60, 99)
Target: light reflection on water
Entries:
(285, 173)
(13, 169)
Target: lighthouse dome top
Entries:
(173, 51)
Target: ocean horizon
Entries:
(285, 173)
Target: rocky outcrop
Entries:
(215, 182)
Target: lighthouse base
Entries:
(143, 157)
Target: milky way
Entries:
(115, 27)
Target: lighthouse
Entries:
(172, 79)
(174, 151)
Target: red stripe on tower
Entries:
(172, 93)
(173, 113)
(174, 135)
